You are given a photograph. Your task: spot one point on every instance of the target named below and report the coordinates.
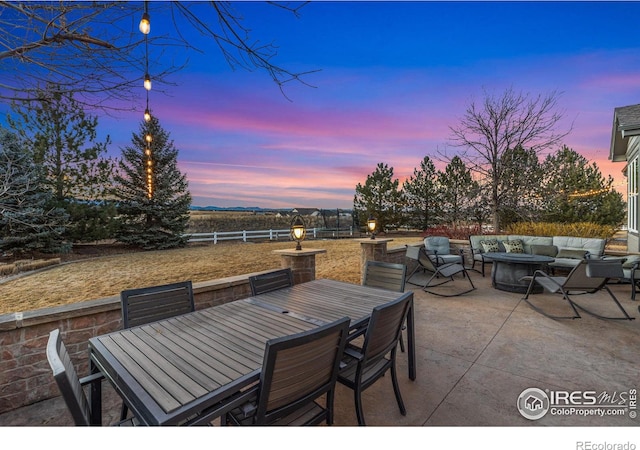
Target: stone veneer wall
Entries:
(25, 375)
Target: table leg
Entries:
(95, 397)
(411, 341)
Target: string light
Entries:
(147, 82)
(145, 22)
(589, 193)
(145, 28)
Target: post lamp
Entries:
(298, 230)
(372, 223)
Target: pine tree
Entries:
(459, 192)
(64, 141)
(154, 211)
(422, 195)
(27, 222)
(379, 197)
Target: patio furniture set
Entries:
(267, 359)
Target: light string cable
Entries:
(145, 28)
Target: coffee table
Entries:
(509, 268)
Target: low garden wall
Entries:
(25, 375)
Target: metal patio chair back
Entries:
(271, 281)
(150, 304)
(297, 371)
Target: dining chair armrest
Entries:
(90, 379)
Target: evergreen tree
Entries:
(422, 195)
(152, 215)
(519, 187)
(65, 147)
(576, 191)
(380, 197)
(458, 192)
(27, 222)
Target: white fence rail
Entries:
(272, 235)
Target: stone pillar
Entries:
(372, 250)
(302, 263)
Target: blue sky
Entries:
(393, 77)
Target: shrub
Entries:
(578, 229)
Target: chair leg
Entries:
(357, 395)
(123, 412)
(626, 316)
(401, 342)
(396, 388)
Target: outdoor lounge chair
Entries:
(388, 276)
(271, 281)
(296, 371)
(440, 274)
(150, 304)
(439, 250)
(71, 387)
(588, 277)
(365, 365)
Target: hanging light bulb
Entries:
(147, 115)
(148, 137)
(147, 82)
(145, 23)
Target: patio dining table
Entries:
(190, 369)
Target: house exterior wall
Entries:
(633, 193)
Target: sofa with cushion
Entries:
(567, 250)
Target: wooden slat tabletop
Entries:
(191, 358)
(324, 301)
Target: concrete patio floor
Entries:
(476, 353)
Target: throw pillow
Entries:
(490, 246)
(571, 253)
(544, 250)
(515, 246)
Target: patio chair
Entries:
(365, 365)
(70, 386)
(271, 281)
(296, 371)
(440, 252)
(588, 277)
(441, 274)
(150, 304)
(388, 276)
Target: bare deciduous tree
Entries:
(94, 49)
(500, 123)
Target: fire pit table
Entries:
(509, 268)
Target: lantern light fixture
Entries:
(372, 224)
(298, 230)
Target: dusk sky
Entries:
(393, 77)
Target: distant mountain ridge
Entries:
(235, 208)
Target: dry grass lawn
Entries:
(108, 275)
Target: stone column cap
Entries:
(374, 241)
(303, 252)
